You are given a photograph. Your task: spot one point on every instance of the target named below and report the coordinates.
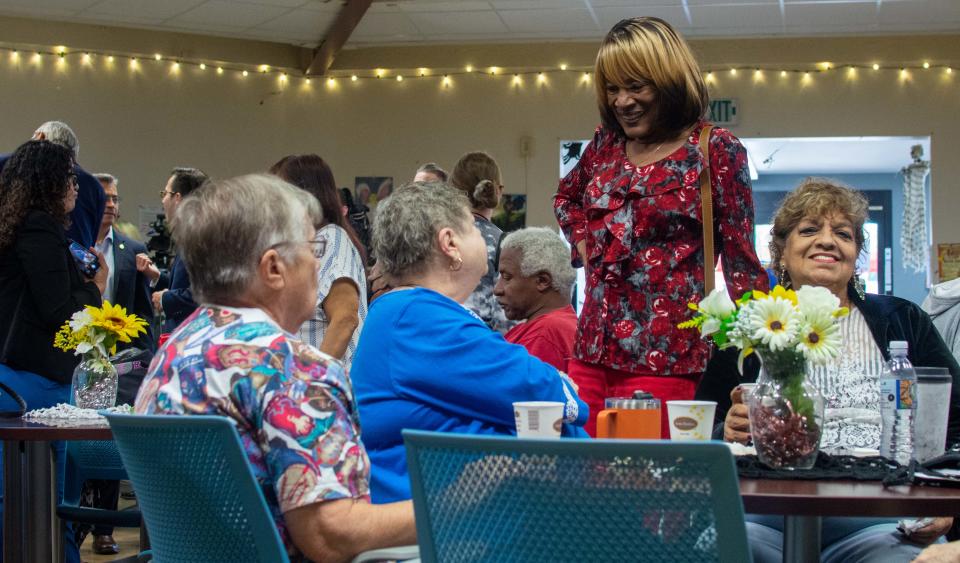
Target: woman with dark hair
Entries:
(342, 288)
(632, 211)
(40, 284)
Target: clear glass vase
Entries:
(786, 412)
(95, 384)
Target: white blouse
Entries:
(851, 389)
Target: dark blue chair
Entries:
(482, 498)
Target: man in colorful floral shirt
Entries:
(293, 405)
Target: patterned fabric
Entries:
(644, 239)
(914, 238)
(340, 260)
(293, 407)
(482, 301)
(851, 388)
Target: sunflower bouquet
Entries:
(788, 329)
(95, 332)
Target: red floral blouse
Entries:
(644, 240)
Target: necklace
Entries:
(647, 156)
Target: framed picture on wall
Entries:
(511, 214)
(369, 190)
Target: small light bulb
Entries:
(219, 70)
(949, 70)
(903, 73)
(14, 55)
(203, 66)
(86, 58)
(157, 56)
(709, 76)
(283, 77)
(61, 50)
(245, 73)
(563, 67)
(331, 82)
(926, 65)
(446, 81)
(133, 63)
(516, 79)
(423, 72)
(37, 57)
(264, 68)
(354, 78)
(176, 65)
(733, 72)
(757, 74)
(494, 70)
(469, 68)
(876, 66)
(110, 59)
(586, 77)
(541, 78)
(308, 81)
(399, 78)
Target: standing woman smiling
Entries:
(631, 209)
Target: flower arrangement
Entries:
(95, 331)
(788, 329)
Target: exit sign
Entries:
(724, 111)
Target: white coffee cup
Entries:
(538, 419)
(691, 420)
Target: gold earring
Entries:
(784, 280)
(455, 266)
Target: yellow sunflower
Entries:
(115, 319)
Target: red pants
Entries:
(598, 382)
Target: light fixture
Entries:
(446, 81)
(783, 74)
(219, 70)
(541, 78)
(133, 63)
(469, 68)
(157, 56)
(283, 77)
(733, 72)
(110, 59)
(353, 78)
(926, 65)
(263, 68)
(876, 66)
(203, 66)
(399, 78)
(563, 67)
(244, 73)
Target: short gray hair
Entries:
(542, 250)
(60, 133)
(223, 228)
(405, 228)
(105, 178)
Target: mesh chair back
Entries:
(503, 499)
(90, 459)
(198, 496)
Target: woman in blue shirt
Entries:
(426, 362)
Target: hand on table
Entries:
(736, 426)
(940, 553)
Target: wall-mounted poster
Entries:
(511, 214)
(948, 261)
(369, 190)
(570, 152)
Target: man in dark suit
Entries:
(86, 215)
(176, 301)
(129, 287)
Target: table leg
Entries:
(801, 539)
(13, 506)
(41, 490)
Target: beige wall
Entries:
(138, 126)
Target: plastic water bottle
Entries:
(898, 404)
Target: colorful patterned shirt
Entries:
(644, 239)
(293, 406)
(482, 301)
(341, 260)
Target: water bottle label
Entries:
(899, 392)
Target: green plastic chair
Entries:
(506, 499)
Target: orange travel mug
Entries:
(636, 417)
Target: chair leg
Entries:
(58, 553)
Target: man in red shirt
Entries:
(534, 286)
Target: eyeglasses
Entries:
(319, 247)
(163, 193)
(113, 199)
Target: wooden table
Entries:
(804, 503)
(30, 481)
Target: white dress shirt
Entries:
(106, 248)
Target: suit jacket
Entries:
(131, 289)
(39, 267)
(177, 302)
(86, 216)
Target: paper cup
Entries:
(691, 420)
(538, 419)
(933, 410)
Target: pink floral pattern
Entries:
(643, 232)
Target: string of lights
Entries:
(135, 62)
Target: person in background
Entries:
(430, 172)
(477, 175)
(86, 215)
(341, 303)
(174, 298)
(631, 209)
(534, 287)
(943, 306)
(41, 286)
(817, 236)
(424, 361)
(238, 357)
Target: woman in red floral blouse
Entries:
(631, 209)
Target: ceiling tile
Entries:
(804, 17)
(561, 21)
(299, 22)
(459, 22)
(749, 19)
(280, 3)
(610, 16)
(444, 6)
(382, 26)
(920, 11)
(48, 7)
(536, 4)
(229, 14)
(116, 10)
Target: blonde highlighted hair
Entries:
(648, 49)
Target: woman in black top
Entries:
(40, 284)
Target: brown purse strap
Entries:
(706, 203)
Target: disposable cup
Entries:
(691, 420)
(933, 409)
(538, 419)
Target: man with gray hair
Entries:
(86, 215)
(534, 286)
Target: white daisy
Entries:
(774, 323)
(820, 339)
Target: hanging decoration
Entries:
(914, 238)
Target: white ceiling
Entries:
(305, 22)
(832, 155)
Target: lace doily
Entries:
(63, 411)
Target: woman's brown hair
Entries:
(478, 176)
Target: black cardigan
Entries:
(39, 265)
(889, 318)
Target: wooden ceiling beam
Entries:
(347, 20)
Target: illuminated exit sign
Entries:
(724, 111)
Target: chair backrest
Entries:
(198, 496)
(90, 459)
(505, 499)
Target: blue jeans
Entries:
(38, 392)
